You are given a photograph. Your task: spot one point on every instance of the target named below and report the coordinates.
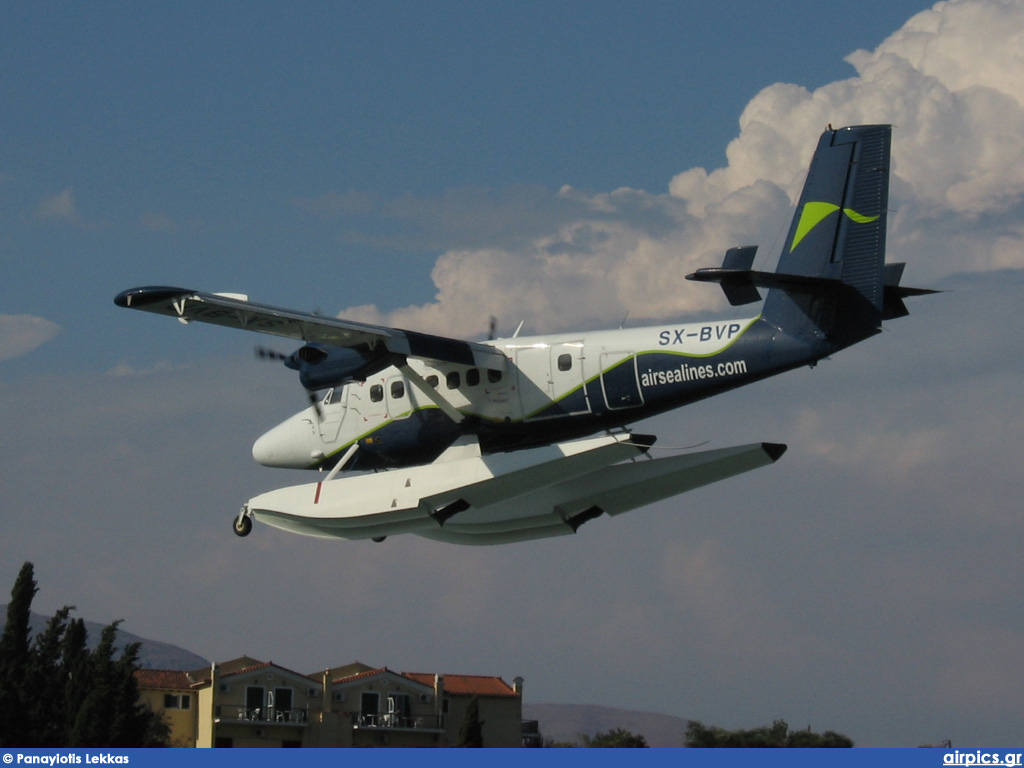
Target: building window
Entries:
(369, 707)
(282, 704)
(174, 701)
(254, 702)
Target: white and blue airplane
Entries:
(527, 437)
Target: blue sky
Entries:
(427, 165)
(188, 134)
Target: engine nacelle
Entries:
(321, 366)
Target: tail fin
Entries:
(831, 282)
(838, 234)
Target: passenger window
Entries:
(376, 393)
(493, 376)
(453, 380)
(397, 390)
(432, 381)
(565, 362)
(472, 377)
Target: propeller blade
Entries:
(315, 402)
(263, 353)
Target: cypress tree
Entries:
(471, 734)
(56, 693)
(46, 682)
(14, 660)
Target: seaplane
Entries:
(511, 439)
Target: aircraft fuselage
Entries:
(554, 388)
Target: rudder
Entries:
(831, 284)
(836, 242)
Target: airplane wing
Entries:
(236, 311)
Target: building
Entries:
(171, 693)
(251, 703)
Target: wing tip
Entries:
(774, 451)
(135, 298)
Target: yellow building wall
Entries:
(181, 722)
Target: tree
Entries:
(617, 738)
(46, 684)
(471, 733)
(14, 659)
(775, 735)
(56, 693)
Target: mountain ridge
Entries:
(153, 654)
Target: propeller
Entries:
(264, 353)
(272, 355)
(492, 328)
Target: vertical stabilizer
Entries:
(831, 275)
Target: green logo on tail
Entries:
(814, 213)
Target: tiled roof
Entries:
(261, 665)
(244, 670)
(163, 678)
(361, 675)
(467, 685)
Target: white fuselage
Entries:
(553, 382)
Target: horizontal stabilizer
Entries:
(738, 261)
(892, 305)
(736, 282)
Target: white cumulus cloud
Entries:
(60, 207)
(20, 334)
(951, 81)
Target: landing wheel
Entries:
(243, 525)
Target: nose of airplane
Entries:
(292, 444)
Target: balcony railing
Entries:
(395, 721)
(260, 715)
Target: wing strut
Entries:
(342, 462)
(431, 392)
